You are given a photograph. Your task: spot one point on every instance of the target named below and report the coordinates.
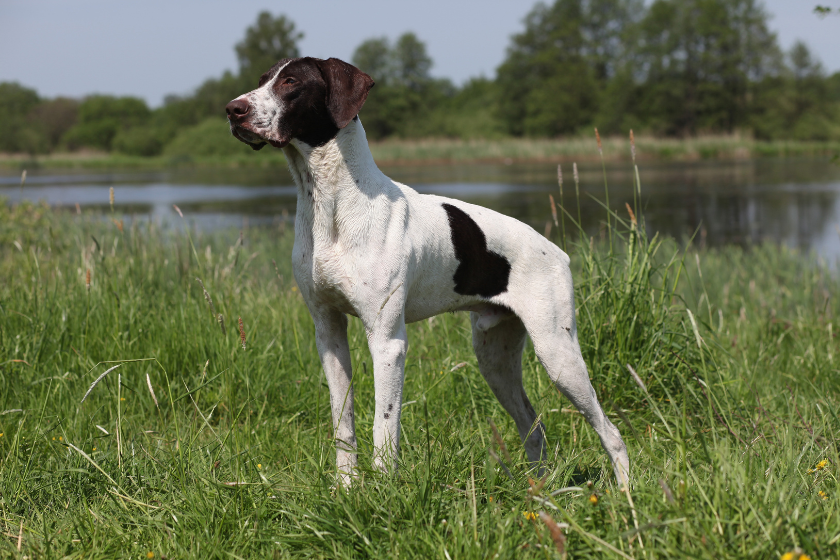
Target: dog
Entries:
(373, 248)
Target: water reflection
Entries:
(794, 202)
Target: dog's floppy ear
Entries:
(347, 89)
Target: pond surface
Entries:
(791, 201)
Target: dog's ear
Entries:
(347, 89)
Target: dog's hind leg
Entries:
(557, 348)
(498, 347)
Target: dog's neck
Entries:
(334, 180)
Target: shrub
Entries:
(140, 141)
(101, 117)
(210, 137)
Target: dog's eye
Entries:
(289, 81)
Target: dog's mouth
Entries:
(247, 136)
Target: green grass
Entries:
(443, 150)
(736, 350)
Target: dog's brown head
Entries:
(304, 98)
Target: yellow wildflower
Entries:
(489, 498)
(804, 557)
(787, 556)
(150, 555)
(529, 515)
(60, 438)
(819, 466)
(1, 434)
(259, 465)
(122, 398)
(593, 499)
(823, 495)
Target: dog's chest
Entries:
(323, 270)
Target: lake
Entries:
(790, 201)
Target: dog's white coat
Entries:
(376, 249)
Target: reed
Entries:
(97, 380)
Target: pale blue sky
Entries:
(155, 47)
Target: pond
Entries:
(790, 201)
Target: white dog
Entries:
(375, 249)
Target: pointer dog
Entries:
(376, 249)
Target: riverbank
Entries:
(450, 151)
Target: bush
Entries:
(210, 137)
(101, 117)
(52, 119)
(91, 135)
(140, 141)
(817, 125)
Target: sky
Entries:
(154, 47)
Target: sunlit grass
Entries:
(197, 448)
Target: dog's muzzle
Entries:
(238, 111)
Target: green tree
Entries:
(406, 63)
(16, 133)
(555, 71)
(701, 61)
(803, 63)
(813, 117)
(267, 41)
(467, 112)
(411, 62)
(374, 57)
(405, 92)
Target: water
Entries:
(794, 202)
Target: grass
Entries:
(442, 150)
(195, 447)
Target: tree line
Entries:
(672, 68)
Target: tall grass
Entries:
(198, 447)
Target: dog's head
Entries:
(308, 99)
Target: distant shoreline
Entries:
(450, 151)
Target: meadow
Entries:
(208, 434)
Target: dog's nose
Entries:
(237, 109)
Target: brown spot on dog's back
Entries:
(480, 272)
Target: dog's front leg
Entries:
(388, 345)
(331, 339)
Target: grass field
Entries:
(200, 445)
(442, 150)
